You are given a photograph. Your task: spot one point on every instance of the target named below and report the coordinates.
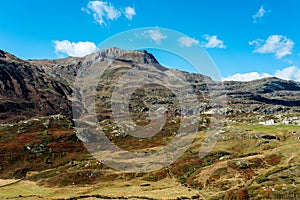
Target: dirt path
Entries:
(7, 182)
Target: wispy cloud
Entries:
(129, 12)
(103, 12)
(259, 14)
(288, 73)
(213, 42)
(75, 49)
(187, 41)
(276, 44)
(155, 35)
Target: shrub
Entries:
(243, 194)
(230, 195)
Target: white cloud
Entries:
(129, 12)
(288, 73)
(155, 35)
(247, 76)
(277, 44)
(75, 49)
(187, 41)
(213, 42)
(260, 13)
(103, 12)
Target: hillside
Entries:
(27, 91)
(43, 156)
(44, 86)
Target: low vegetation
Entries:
(46, 154)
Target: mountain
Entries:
(44, 87)
(27, 90)
(267, 95)
(43, 156)
(67, 68)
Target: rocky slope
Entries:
(27, 91)
(268, 95)
(43, 87)
(67, 68)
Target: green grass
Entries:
(23, 188)
(281, 128)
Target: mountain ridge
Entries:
(65, 60)
(55, 79)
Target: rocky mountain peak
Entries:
(138, 56)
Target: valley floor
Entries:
(137, 189)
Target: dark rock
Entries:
(19, 173)
(269, 137)
(262, 143)
(145, 184)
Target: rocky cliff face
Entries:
(268, 95)
(27, 91)
(67, 68)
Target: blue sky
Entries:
(246, 39)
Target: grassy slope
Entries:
(236, 165)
